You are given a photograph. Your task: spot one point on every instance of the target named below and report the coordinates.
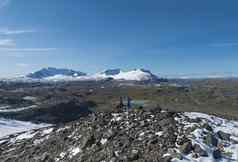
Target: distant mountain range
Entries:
(61, 74)
(51, 71)
(58, 74)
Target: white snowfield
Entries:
(8, 127)
(230, 152)
(136, 75)
(133, 75)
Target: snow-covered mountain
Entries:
(55, 74)
(133, 75)
(52, 72)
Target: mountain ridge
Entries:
(58, 74)
(52, 71)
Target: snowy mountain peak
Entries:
(111, 72)
(51, 72)
(60, 74)
(133, 75)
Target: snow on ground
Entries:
(30, 98)
(230, 148)
(160, 133)
(224, 125)
(47, 131)
(116, 117)
(8, 127)
(6, 109)
(74, 151)
(103, 141)
(26, 135)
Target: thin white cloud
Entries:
(28, 49)
(224, 44)
(4, 3)
(4, 43)
(5, 31)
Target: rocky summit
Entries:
(137, 135)
(134, 136)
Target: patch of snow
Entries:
(74, 151)
(116, 117)
(117, 153)
(218, 124)
(30, 98)
(167, 154)
(142, 134)
(4, 107)
(2, 141)
(8, 127)
(159, 133)
(61, 156)
(221, 124)
(39, 141)
(47, 131)
(17, 109)
(26, 135)
(63, 128)
(103, 141)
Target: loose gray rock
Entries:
(210, 139)
(207, 127)
(186, 148)
(98, 137)
(197, 149)
(167, 159)
(133, 155)
(182, 140)
(217, 154)
(223, 135)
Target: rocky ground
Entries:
(87, 127)
(135, 136)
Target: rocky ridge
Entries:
(135, 136)
(100, 137)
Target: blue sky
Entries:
(168, 37)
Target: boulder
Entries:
(210, 139)
(217, 154)
(167, 159)
(186, 148)
(207, 127)
(134, 155)
(182, 140)
(88, 141)
(109, 133)
(197, 149)
(223, 135)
